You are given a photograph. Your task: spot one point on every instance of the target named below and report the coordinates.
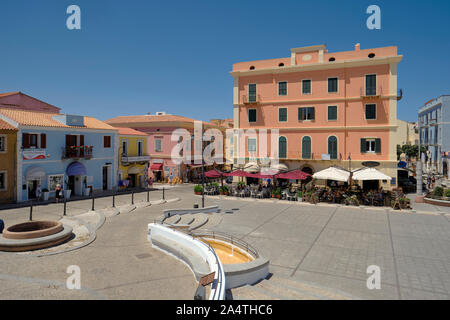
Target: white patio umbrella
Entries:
(332, 173)
(369, 174)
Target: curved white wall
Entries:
(200, 248)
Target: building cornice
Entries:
(320, 66)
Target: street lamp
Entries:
(419, 165)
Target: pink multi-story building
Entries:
(331, 108)
(160, 128)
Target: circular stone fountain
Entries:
(34, 235)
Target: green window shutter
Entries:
(282, 147)
(377, 145)
(313, 113)
(306, 147)
(300, 114)
(363, 146)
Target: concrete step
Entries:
(173, 219)
(200, 220)
(186, 219)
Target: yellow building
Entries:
(133, 158)
(8, 143)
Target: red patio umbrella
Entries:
(213, 174)
(236, 173)
(293, 175)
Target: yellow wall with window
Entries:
(7, 165)
(133, 148)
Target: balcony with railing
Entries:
(126, 158)
(251, 99)
(77, 152)
(371, 92)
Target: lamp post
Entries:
(350, 168)
(203, 175)
(419, 165)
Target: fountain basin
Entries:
(32, 230)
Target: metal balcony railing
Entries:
(250, 99)
(77, 152)
(126, 158)
(371, 92)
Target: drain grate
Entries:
(143, 255)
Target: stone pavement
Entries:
(315, 251)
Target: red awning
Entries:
(213, 174)
(260, 176)
(156, 167)
(293, 175)
(237, 173)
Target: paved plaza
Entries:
(315, 251)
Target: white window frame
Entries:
(306, 94)
(365, 111)
(161, 144)
(54, 175)
(6, 180)
(337, 85)
(307, 108)
(371, 140)
(286, 114)
(278, 88)
(376, 83)
(248, 145)
(5, 143)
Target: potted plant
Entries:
(198, 189)
(299, 196)
(447, 194)
(438, 192)
(45, 194)
(87, 190)
(277, 193)
(225, 190)
(67, 191)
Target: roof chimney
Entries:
(357, 47)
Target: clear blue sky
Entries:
(134, 57)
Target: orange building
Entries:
(335, 108)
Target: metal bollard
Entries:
(148, 195)
(164, 198)
(132, 197)
(93, 202)
(65, 202)
(31, 211)
(114, 200)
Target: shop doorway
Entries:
(32, 187)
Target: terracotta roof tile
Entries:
(152, 119)
(43, 119)
(130, 132)
(6, 126)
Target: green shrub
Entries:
(438, 191)
(198, 188)
(224, 188)
(241, 183)
(299, 194)
(277, 191)
(447, 193)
